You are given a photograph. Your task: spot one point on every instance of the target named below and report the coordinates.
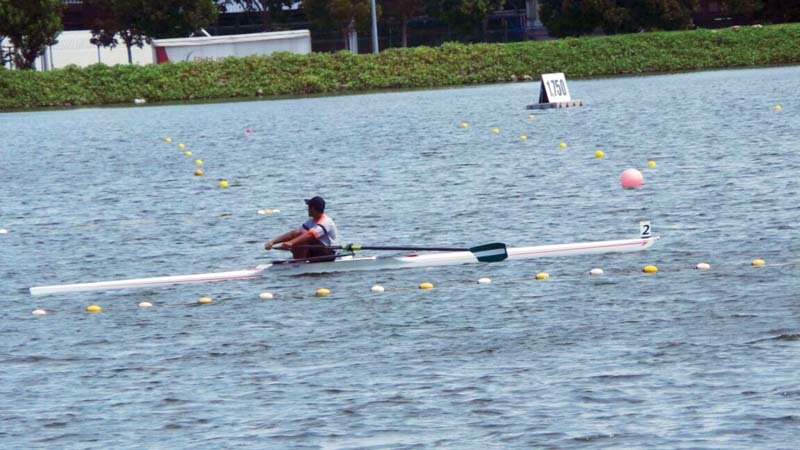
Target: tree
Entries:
(137, 21)
(30, 26)
(466, 16)
(744, 8)
(118, 17)
(782, 10)
(177, 18)
(268, 10)
(344, 15)
(658, 15)
(768, 10)
(577, 17)
(402, 11)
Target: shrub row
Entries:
(451, 64)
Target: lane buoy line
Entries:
(223, 183)
(555, 276)
(598, 154)
(310, 294)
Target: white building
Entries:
(75, 47)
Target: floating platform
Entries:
(569, 104)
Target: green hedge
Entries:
(449, 65)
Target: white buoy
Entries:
(145, 305)
(266, 296)
(703, 266)
(39, 312)
(3, 231)
(484, 281)
(276, 211)
(596, 271)
(261, 211)
(377, 289)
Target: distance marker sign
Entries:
(553, 88)
(553, 93)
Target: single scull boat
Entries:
(351, 262)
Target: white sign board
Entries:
(212, 48)
(553, 88)
(645, 230)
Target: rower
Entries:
(313, 239)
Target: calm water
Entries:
(680, 359)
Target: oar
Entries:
(493, 252)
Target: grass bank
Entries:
(448, 65)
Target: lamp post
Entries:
(374, 28)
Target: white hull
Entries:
(150, 282)
(350, 263)
(456, 258)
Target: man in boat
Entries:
(313, 239)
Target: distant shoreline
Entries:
(451, 65)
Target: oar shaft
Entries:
(415, 249)
(310, 259)
(351, 247)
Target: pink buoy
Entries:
(631, 178)
(248, 131)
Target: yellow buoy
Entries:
(532, 117)
(650, 269)
(167, 139)
(758, 262)
(464, 125)
(198, 172)
(181, 146)
(426, 285)
(703, 266)
(563, 145)
(778, 107)
(496, 130)
(223, 184)
(187, 153)
(204, 300)
(198, 162)
(93, 308)
(542, 276)
(523, 138)
(599, 154)
(322, 292)
(651, 164)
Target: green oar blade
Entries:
(490, 252)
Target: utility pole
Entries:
(374, 28)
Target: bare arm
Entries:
(288, 236)
(302, 237)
